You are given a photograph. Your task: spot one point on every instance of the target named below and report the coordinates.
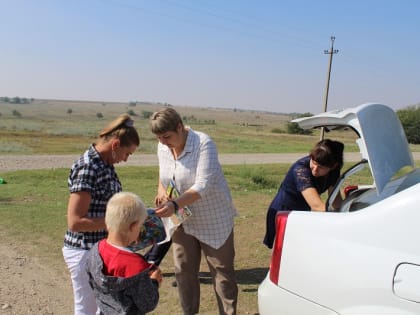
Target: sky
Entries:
(246, 54)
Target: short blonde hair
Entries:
(122, 210)
(164, 120)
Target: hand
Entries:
(165, 210)
(160, 199)
(156, 274)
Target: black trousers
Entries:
(157, 252)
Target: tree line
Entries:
(16, 100)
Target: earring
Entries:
(114, 155)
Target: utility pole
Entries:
(330, 52)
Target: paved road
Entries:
(26, 162)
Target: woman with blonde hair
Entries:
(92, 182)
(189, 160)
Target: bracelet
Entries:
(176, 206)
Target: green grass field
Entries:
(34, 203)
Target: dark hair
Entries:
(328, 153)
(164, 120)
(122, 128)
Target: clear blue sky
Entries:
(246, 54)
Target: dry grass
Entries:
(48, 127)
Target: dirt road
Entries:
(26, 162)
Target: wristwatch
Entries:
(176, 206)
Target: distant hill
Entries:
(51, 108)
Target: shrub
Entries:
(294, 128)
(277, 130)
(16, 113)
(131, 113)
(410, 120)
(146, 114)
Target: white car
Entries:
(363, 258)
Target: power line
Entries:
(330, 52)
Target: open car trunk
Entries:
(382, 141)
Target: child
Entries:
(123, 281)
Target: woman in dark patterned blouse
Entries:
(92, 182)
(305, 181)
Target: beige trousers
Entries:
(187, 257)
